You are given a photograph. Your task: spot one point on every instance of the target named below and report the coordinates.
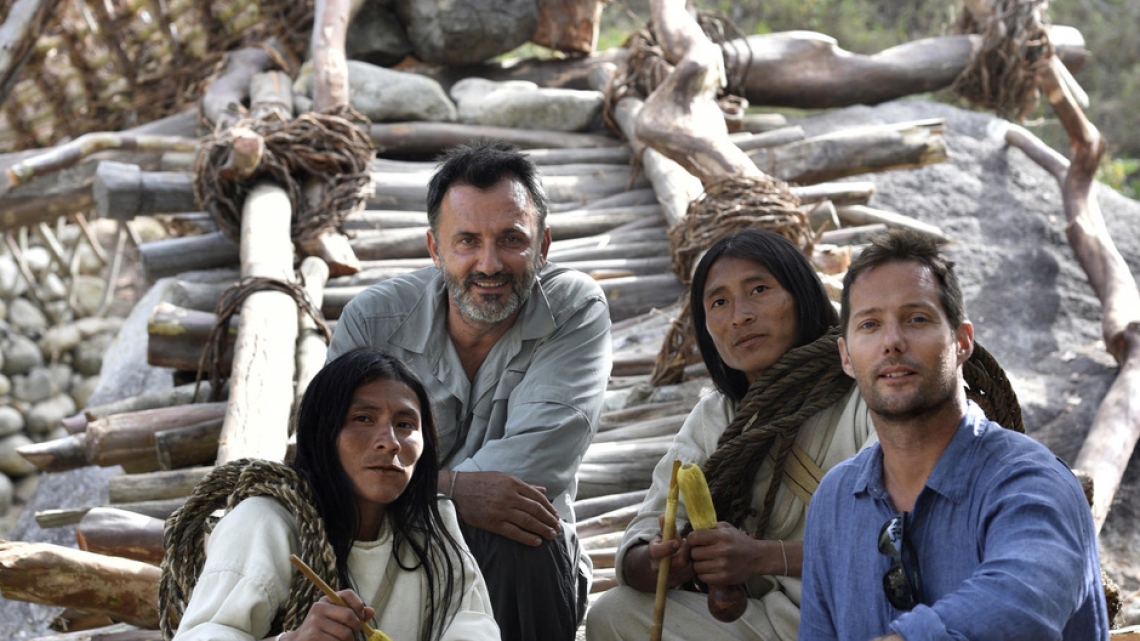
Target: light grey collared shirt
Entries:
(533, 407)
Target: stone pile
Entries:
(52, 341)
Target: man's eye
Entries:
(759, 289)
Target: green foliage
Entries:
(1122, 174)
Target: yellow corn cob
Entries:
(698, 501)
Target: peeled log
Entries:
(122, 589)
(587, 508)
(114, 532)
(152, 486)
(129, 439)
(177, 336)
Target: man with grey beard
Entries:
(515, 353)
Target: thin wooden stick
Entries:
(369, 633)
(667, 533)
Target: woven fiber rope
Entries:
(803, 382)
(115, 64)
(332, 149)
(1002, 75)
(225, 487)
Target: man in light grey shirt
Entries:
(515, 353)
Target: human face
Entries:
(899, 346)
(378, 447)
(488, 246)
(749, 314)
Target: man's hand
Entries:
(327, 620)
(500, 503)
(723, 555)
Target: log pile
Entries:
(608, 219)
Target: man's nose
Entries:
(385, 437)
(489, 260)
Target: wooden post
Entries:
(311, 347)
(114, 532)
(123, 191)
(261, 380)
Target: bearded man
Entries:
(515, 353)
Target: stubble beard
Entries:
(933, 395)
(490, 310)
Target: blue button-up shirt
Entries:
(1002, 532)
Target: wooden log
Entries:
(57, 455)
(76, 620)
(176, 337)
(116, 632)
(854, 151)
(603, 558)
(840, 194)
(311, 347)
(187, 446)
(129, 439)
(612, 521)
(619, 155)
(673, 185)
(122, 589)
(851, 235)
(114, 532)
(568, 25)
(635, 295)
(159, 509)
(231, 87)
(408, 191)
(629, 454)
(595, 480)
(171, 256)
(601, 541)
(774, 138)
(154, 486)
(591, 507)
(72, 153)
(648, 428)
(330, 65)
(427, 139)
(1116, 426)
(24, 22)
(614, 419)
(863, 215)
(123, 191)
(585, 252)
(261, 383)
(335, 250)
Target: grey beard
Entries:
(490, 311)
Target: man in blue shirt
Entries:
(951, 527)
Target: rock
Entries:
(37, 386)
(5, 382)
(524, 105)
(11, 421)
(376, 36)
(3, 309)
(61, 376)
(60, 339)
(89, 263)
(450, 32)
(301, 104)
(38, 260)
(21, 355)
(93, 325)
(82, 390)
(12, 463)
(149, 229)
(7, 494)
(44, 416)
(12, 283)
(386, 95)
(25, 487)
(88, 294)
(88, 355)
(58, 312)
(52, 288)
(25, 317)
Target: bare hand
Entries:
(327, 620)
(723, 555)
(681, 565)
(500, 503)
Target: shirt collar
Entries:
(951, 476)
(428, 316)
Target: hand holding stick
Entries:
(369, 633)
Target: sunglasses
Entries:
(902, 582)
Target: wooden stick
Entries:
(115, 532)
(69, 154)
(23, 24)
(330, 593)
(330, 66)
(667, 534)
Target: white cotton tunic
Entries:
(247, 574)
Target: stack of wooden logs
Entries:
(606, 221)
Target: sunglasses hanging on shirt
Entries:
(903, 581)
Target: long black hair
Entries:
(417, 524)
(814, 312)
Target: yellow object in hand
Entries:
(698, 501)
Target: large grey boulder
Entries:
(376, 36)
(524, 105)
(386, 95)
(464, 32)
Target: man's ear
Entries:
(845, 358)
(433, 248)
(965, 339)
(544, 246)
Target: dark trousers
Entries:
(538, 593)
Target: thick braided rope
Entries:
(225, 487)
(803, 382)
